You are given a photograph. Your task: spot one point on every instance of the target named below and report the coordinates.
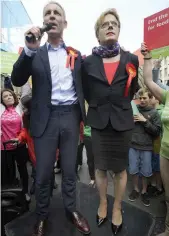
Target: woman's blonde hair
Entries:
(99, 21)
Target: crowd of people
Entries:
(50, 123)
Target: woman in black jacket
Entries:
(109, 84)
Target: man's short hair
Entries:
(58, 4)
(142, 91)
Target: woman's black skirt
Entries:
(111, 148)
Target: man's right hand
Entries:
(36, 32)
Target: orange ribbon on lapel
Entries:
(72, 55)
(131, 70)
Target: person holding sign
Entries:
(163, 96)
(109, 84)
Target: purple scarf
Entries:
(107, 51)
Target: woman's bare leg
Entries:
(120, 181)
(102, 182)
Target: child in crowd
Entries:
(147, 128)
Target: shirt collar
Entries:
(10, 108)
(50, 48)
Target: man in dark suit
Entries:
(56, 111)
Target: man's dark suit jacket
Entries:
(107, 102)
(38, 67)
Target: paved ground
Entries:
(156, 208)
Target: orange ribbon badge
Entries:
(131, 70)
(72, 55)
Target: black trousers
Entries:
(80, 154)
(33, 175)
(90, 156)
(62, 132)
(8, 170)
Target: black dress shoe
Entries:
(100, 220)
(40, 228)
(79, 221)
(116, 228)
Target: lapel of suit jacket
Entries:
(97, 66)
(45, 59)
(77, 64)
(121, 66)
(99, 62)
(74, 71)
(100, 66)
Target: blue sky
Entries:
(82, 14)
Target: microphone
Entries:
(30, 38)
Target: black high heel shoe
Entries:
(116, 228)
(100, 220)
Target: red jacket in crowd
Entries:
(24, 137)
